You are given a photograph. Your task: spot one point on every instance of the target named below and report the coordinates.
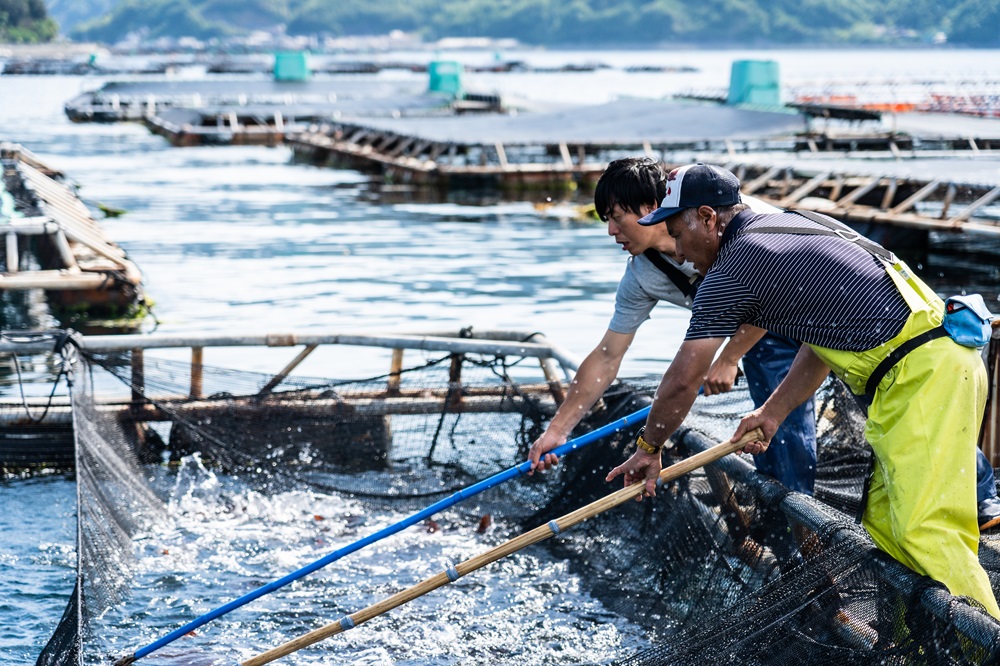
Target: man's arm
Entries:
(805, 376)
(592, 379)
(722, 375)
(674, 397)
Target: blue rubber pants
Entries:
(793, 460)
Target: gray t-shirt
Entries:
(641, 288)
(644, 285)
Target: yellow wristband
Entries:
(646, 446)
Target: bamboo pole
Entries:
(540, 533)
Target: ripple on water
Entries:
(226, 539)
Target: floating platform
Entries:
(31, 442)
(53, 243)
(562, 149)
(262, 112)
(134, 100)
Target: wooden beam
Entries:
(837, 188)
(890, 193)
(984, 200)
(564, 152)
(395, 373)
(65, 253)
(805, 189)
(401, 146)
(916, 197)
(858, 192)
(280, 377)
(949, 197)
(760, 181)
(55, 281)
(13, 256)
(501, 154)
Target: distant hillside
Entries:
(69, 13)
(25, 22)
(559, 22)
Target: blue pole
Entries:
(437, 507)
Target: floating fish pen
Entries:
(53, 243)
(569, 148)
(557, 149)
(261, 112)
(269, 124)
(44, 66)
(724, 565)
(47, 442)
(134, 100)
(228, 126)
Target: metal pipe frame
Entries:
(493, 343)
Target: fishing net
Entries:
(722, 564)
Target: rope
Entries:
(65, 366)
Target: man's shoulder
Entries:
(748, 222)
(789, 218)
(643, 262)
(643, 280)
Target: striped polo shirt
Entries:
(820, 290)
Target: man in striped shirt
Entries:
(850, 303)
(629, 189)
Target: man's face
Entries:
(632, 236)
(696, 236)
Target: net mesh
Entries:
(722, 564)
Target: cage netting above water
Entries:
(722, 565)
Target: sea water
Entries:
(244, 240)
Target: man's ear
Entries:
(646, 209)
(706, 215)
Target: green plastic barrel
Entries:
(445, 77)
(291, 66)
(755, 82)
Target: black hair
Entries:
(630, 183)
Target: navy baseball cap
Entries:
(692, 186)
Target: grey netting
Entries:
(723, 565)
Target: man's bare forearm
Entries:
(805, 375)
(592, 379)
(744, 340)
(679, 388)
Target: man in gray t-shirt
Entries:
(629, 189)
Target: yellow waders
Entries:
(923, 426)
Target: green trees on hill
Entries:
(25, 22)
(565, 22)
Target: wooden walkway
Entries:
(76, 264)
